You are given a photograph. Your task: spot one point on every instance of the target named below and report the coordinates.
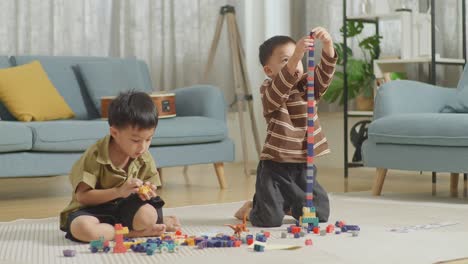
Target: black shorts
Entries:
(118, 211)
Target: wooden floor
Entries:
(47, 196)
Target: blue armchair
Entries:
(419, 127)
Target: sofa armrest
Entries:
(200, 100)
(401, 97)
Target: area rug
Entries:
(392, 231)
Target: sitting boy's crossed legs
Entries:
(280, 188)
(144, 218)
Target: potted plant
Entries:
(360, 72)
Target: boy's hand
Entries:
(302, 46)
(150, 193)
(322, 34)
(129, 187)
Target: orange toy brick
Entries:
(330, 228)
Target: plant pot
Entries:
(364, 103)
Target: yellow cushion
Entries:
(29, 95)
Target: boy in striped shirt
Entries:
(281, 173)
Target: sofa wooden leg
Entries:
(160, 176)
(465, 184)
(454, 184)
(379, 181)
(219, 168)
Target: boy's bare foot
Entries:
(156, 230)
(244, 210)
(172, 223)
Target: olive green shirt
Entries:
(96, 170)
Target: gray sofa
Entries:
(419, 127)
(197, 135)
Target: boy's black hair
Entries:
(135, 109)
(267, 47)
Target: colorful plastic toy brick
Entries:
(355, 233)
(339, 224)
(69, 252)
(308, 242)
(309, 217)
(267, 234)
(316, 230)
(284, 235)
(347, 228)
(99, 244)
(297, 235)
(330, 228)
(144, 189)
(203, 244)
(120, 231)
(323, 232)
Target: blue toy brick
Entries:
(69, 252)
(210, 243)
(337, 232)
(297, 235)
(289, 229)
(347, 228)
(249, 236)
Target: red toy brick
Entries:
(316, 230)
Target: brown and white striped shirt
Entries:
(284, 100)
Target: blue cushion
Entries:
(4, 113)
(459, 102)
(16, 136)
(188, 130)
(78, 135)
(435, 129)
(67, 135)
(109, 78)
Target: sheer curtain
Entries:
(173, 37)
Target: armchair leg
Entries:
(379, 181)
(454, 184)
(219, 168)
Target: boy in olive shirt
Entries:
(106, 178)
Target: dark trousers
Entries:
(121, 211)
(280, 187)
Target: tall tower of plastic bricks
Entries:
(309, 218)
